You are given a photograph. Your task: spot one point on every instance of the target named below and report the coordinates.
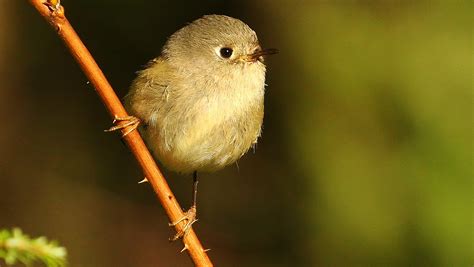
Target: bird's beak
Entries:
(259, 54)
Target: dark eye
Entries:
(226, 52)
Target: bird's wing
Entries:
(149, 91)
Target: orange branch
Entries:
(53, 12)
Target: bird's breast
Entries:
(217, 125)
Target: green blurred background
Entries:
(366, 156)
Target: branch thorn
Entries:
(145, 180)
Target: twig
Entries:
(53, 12)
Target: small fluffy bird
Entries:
(201, 100)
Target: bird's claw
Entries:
(130, 122)
(190, 218)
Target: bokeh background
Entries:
(366, 157)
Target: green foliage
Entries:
(15, 246)
(378, 110)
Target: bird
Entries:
(201, 101)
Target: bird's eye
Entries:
(226, 52)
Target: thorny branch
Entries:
(53, 12)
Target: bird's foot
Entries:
(129, 122)
(190, 218)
